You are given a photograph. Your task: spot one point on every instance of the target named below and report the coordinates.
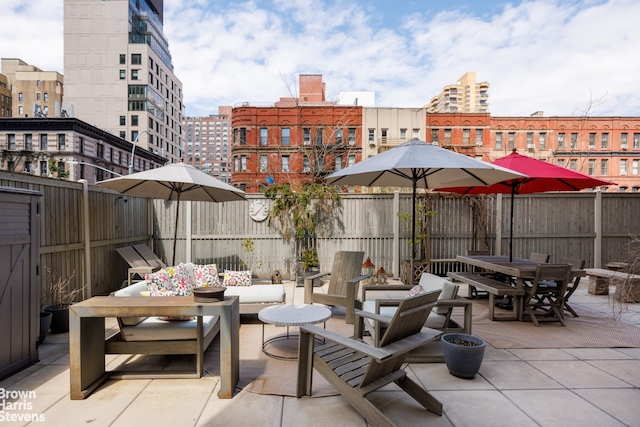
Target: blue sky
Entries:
(563, 57)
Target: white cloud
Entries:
(550, 55)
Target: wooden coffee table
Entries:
(290, 315)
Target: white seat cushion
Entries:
(257, 293)
(154, 329)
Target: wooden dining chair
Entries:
(547, 300)
(573, 284)
(539, 257)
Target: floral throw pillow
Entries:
(415, 291)
(176, 281)
(237, 278)
(206, 275)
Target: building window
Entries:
(11, 141)
(604, 167)
(28, 141)
(46, 97)
(339, 132)
(623, 167)
(306, 165)
(383, 135)
(136, 58)
(435, 133)
(243, 163)
(466, 136)
(264, 135)
(338, 163)
(100, 151)
(285, 135)
(243, 136)
(38, 96)
(81, 148)
(624, 140)
(592, 140)
(44, 141)
(134, 120)
(236, 164)
(319, 136)
(351, 135)
(542, 141)
(28, 167)
(306, 136)
(351, 160)
(61, 141)
(43, 167)
(511, 142)
(561, 137)
(123, 120)
(20, 110)
(19, 96)
(416, 133)
(123, 58)
(263, 164)
(285, 163)
(123, 74)
(123, 134)
(447, 137)
(573, 164)
(403, 134)
(605, 140)
(479, 140)
(635, 167)
(372, 136)
(636, 140)
(134, 74)
(498, 140)
(591, 167)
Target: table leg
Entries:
(229, 350)
(86, 354)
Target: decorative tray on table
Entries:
(209, 293)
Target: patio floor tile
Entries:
(621, 404)
(578, 374)
(516, 376)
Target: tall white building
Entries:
(464, 96)
(119, 75)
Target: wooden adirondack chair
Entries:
(343, 283)
(356, 369)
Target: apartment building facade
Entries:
(5, 97)
(119, 74)
(34, 92)
(465, 96)
(68, 148)
(298, 140)
(208, 143)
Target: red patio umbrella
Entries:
(541, 177)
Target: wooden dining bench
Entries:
(494, 288)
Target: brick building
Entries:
(298, 140)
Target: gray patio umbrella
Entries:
(176, 181)
(418, 164)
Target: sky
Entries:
(562, 57)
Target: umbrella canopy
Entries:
(540, 177)
(418, 164)
(176, 181)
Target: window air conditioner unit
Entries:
(307, 142)
(306, 170)
(479, 143)
(624, 146)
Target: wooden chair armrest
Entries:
(366, 288)
(317, 275)
(373, 316)
(359, 278)
(458, 302)
(374, 352)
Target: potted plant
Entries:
(299, 214)
(61, 295)
(463, 354)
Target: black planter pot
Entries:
(45, 324)
(59, 318)
(463, 361)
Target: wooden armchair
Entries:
(356, 369)
(343, 283)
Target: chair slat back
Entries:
(410, 317)
(346, 265)
(539, 257)
(559, 273)
(574, 262)
(149, 256)
(133, 258)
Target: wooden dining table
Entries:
(519, 269)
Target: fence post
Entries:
(498, 225)
(87, 240)
(188, 236)
(597, 244)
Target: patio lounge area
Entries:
(515, 386)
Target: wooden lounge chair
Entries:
(356, 369)
(547, 291)
(141, 261)
(343, 283)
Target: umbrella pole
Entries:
(413, 231)
(513, 191)
(175, 232)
